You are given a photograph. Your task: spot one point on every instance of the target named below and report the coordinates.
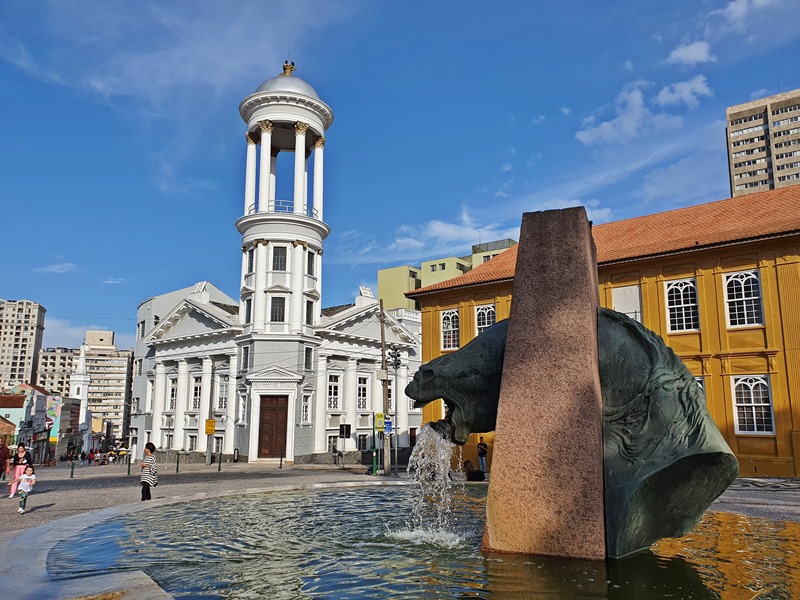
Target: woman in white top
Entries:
(149, 470)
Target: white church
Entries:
(273, 372)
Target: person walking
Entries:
(5, 459)
(482, 451)
(149, 471)
(21, 459)
(26, 481)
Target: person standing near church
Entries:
(149, 471)
(21, 459)
(483, 449)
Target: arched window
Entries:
(450, 334)
(753, 404)
(682, 305)
(743, 297)
(484, 317)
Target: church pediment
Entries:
(279, 289)
(191, 320)
(274, 374)
(364, 324)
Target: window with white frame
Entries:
(363, 441)
(279, 258)
(245, 358)
(361, 393)
(484, 317)
(683, 313)
(753, 404)
(333, 392)
(700, 383)
(450, 333)
(173, 393)
(251, 255)
(308, 358)
(248, 310)
(743, 298)
(197, 391)
(217, 444)
(333, 440)
(277, 312)
(310, 263)
(192, 443)
(242, 408)
(309, 312)
(305, 409)
(222, 395)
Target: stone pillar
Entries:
(300, 129)
(259, 297)
(265, 166)
(243, 278)
(159, 402)
(546, 491)
(206, 383)
(349, 399)
(181, 404)
(320, 414)
(230, 410)
(250, 175)
(319, 147)
(273, 169)
(402, 405)
(296, 308)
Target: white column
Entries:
(230, 411)
(241, 285)
(181, 403)
(306, 201)
(273, 169)
(159, 402)
(318, 272)
(349, 395)
(259, 297)
(319, 146)
(297, 300)
(265, 165)
(205, 404)
(300, 129)
(250, 175)
(320, 414)
(376, 397)
(402, 405)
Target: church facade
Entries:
(272, 375)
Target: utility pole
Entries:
(387, 449)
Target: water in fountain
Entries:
(432, 509)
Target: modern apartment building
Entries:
(55, 366)
(21, 332)
(764, 143)
(394, 282)
(111, 373)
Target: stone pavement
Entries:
(61, 507)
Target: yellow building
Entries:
(719, 282)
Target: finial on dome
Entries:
(288, 67)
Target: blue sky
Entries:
(122, 150)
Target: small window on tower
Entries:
(279, 258)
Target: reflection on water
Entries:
(358, 543)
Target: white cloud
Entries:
(762, 93)
(506, 168)
(686, 92)
(737, 12)
(534, 158)
(64, 267)
(62, 333)
(628, 65)
(691, 54)
(565, 110)
(538, 119)
(633, 119)
(113, 280)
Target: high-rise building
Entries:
(21, 332)
(111, 372)
(394, 282)
(55, 368)
(764, 143)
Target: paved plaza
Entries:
(62, 506)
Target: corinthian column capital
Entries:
(300, 127)
(265, 126)
(320, 142)
(250, 138)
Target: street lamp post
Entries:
(394, 355)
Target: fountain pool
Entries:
(361, 543)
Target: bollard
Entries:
(178, 462)
(280, 464)
(219, 461)
(72, 469)
(129, 463)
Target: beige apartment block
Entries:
(21, 333)
(764, 143)
(111, 375)
(55, 368)
(394, 282)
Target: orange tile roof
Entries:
(770, 213)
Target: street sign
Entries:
(387, 424)
(379, 421)
(211, 426)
